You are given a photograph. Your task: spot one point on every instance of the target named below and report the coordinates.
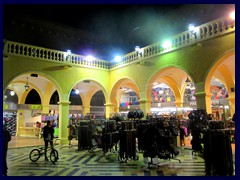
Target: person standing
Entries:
(48, 132)
(182, 136)
(6, 139)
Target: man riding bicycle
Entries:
(48, 132)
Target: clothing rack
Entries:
(127, 136)
(218, 150)
(156, 139)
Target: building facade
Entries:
(201, 55)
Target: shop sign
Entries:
(36, 106)
(192, 103)
(215, 102)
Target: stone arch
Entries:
(223, 69)
(173, 76)
(229, 78)
(115, 94)
(21, 79)
(88, 87)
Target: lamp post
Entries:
(68, 54)
(192, 30)
(138, 50)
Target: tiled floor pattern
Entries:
(82, 163)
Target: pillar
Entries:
(63, 121)
(145, 106)
(109, 109)
(45, 109)
(86, 110)
(20, 122)
(203, 99)
(179, 105)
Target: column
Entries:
(45, 109)
(145, 106)
(203, 99)
(86, 110)
(63, 121)
(179, 105)
(20, 122)
(109, 109)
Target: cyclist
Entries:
(48, 132)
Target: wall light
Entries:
(26, 85)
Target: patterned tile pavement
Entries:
(73, 162)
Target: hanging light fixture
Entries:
(187, 80)
(26, 85)
(77, 90)
(12, 93)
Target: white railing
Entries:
(208, 30)
(26, 50)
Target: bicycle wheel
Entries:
(34, 155)
(54, 155)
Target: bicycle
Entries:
(36, 153)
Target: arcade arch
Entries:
(170, 80)
(223, 73)
(123, 87)
(39, 84)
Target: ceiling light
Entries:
(12, 93)
(26, 85)
(77, 91)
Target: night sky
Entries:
(124, 26)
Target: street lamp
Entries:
(192, 29)
(138, 50)
(68, 54)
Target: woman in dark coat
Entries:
(48, 132)
(6, 139)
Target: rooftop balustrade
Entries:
(203, 32)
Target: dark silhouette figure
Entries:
(182, 136)
(48, 132)
(6, 139)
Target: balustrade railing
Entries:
(205, 31)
